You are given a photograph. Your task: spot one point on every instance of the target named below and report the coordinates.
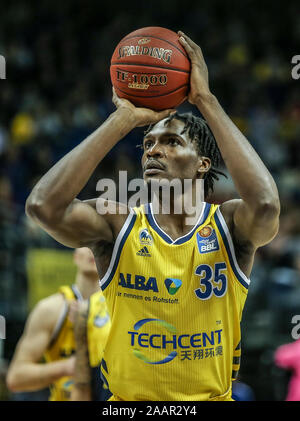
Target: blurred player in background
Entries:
(49, 334)
(89, 333)
(161, 348)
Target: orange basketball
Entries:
(150, 68)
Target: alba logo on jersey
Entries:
(142, 283)
(138, 282)
(145, 238)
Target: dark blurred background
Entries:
(58, 90)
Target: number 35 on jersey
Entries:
(213, 280)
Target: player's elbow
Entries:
(12, 382)
(268, 207)
(38, 210)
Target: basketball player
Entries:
(175, 292)
(49, 333)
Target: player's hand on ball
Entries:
(142, 116)
(199, 87)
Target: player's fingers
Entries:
(188, 39)
(186, 45)
(115, 97)
(164, 114)
(188, 42)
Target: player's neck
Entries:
(87, 283)
(187, 201)
(177, 224)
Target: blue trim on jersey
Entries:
(164, 236)
(153, 224)
(76, 292)
(103, 378)
(189, 235)
(103, 363)
(225, 241)
(117, 258)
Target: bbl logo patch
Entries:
(207, 240)
(145, 237)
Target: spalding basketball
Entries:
(150, 68)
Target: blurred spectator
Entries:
(288, 357)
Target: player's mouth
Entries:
(153, 167)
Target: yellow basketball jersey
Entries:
(63, 342)
(176, 308)
(98, 327)
(62, 345)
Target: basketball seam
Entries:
(152, 96)
(147, 65)
(161, 39)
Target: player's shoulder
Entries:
(52, 302)
(114, 213)
(230, 205)
(227, 210)
(48, 309)
(243, 246)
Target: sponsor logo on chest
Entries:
(143, 283)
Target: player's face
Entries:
(84, 260)
(169, 154)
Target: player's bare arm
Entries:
(53, 204)
(81, 390)
(255, 218)
(26, 372)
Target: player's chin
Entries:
(155, 177)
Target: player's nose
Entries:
(155, 151)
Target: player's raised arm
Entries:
(255, 217)
(53, 204)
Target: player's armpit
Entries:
(256, 225)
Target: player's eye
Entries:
(173, 141)
(147, 144)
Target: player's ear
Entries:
(204, 165)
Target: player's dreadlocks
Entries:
(199, 132)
